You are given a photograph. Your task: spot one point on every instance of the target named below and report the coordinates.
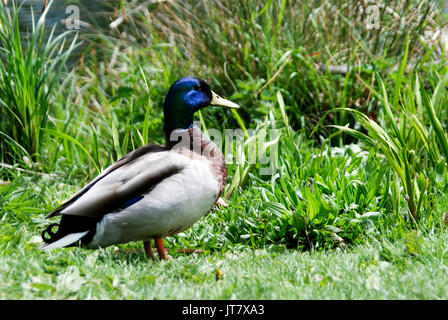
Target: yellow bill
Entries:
(218, 101)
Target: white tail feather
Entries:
(65, 241)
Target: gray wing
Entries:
(130, 176)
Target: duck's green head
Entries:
(186, 96)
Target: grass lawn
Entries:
(413, 266)
(375, 270)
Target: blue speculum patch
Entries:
(131, 202)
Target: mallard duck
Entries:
(154, 191)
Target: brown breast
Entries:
(195, 140)
(201, 144)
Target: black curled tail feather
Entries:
(70, 224)
(52, 236)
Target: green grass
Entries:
(254, 242)
(410, 268)
(29, 71)
(412, 139)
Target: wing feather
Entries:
(135, 173)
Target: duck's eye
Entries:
(197, 87)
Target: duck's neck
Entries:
(195, 140)
(175, 137)
(198, 142)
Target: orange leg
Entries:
(161, 248)
(148, 249)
